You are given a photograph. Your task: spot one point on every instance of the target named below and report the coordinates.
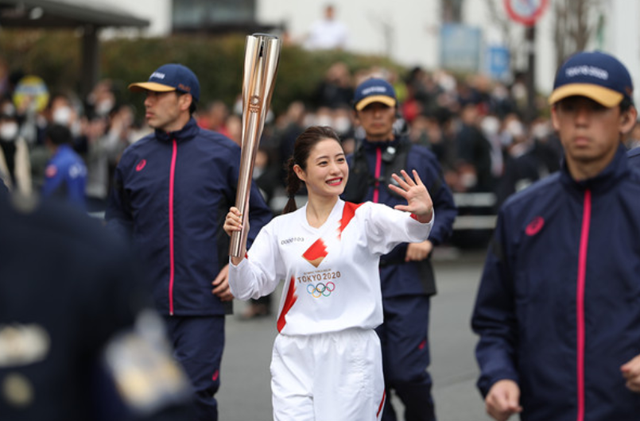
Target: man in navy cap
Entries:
(172, 190)
(406, 273)
(557, 308)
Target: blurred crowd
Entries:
(100, 129)
(475, 126)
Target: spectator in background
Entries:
(500, 102)
(9, 133)
(234, 128)
(215, 118)
(14, 149)
(64, 110)
(336, 89)
(121, 132)
(426, 130)
(61, 110)
(327, 33)
(65, 175)
(106, 137)
(474, 153)
(499, 139)
(344, 125)
(421, 87)
(101, 100)
(292, 125)
(518, 91)
(98, 149)
(541, 157)
(513, 136)
(5, 89)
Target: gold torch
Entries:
(261, 56)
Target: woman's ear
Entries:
(299, 172)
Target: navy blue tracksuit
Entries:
(171, 194)
(406, 286)
(557, 309)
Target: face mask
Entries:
(515, 128)
(500, 92)
(468, 180)
(9, 131)
(76, 129)
(104, 107)
(540, 131)
(62, 116)
(8, 109)
(323, 120)
(341, 124)
(490, 126)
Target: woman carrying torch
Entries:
(326, 362)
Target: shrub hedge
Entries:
(218, 62)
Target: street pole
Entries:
(530, 38)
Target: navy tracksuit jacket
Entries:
(558, 308)
(172, 193)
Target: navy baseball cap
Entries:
(595, 75)
(170, 77)
(374, 90)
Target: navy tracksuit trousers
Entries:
(405, 356)
(198, 343)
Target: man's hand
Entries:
(221, 285)
(631, 372)
(503, 400)
(418, 251)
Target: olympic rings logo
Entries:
(321, 290)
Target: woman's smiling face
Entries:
(326, 170)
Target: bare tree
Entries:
(387, 29)
(575, 24)
(512, 34)
(451, 11)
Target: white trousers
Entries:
(328, 377)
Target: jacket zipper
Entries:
(376, 187)
(172, 175)
(582, 273)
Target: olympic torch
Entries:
(262, 52)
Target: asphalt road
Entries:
(245, 393)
